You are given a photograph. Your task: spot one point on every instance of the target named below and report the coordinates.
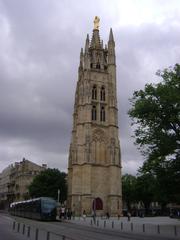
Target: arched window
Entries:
(93, 113)
(94, 92)
(103, 95)
(102, 114)
(97, 204)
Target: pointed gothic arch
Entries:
(97, 204)
(102, 94)
(99, 147)
(102, 114)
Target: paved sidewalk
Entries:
(6, 232)
(149, 220)
(163, 226)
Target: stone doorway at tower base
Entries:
(97, 204)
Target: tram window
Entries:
(48, 206)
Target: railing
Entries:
(169, 230)
(34, 233)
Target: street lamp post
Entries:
(58, 195)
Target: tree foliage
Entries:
(146, 190)
(138, 189)
(155, 113)
(47, 183)
(129, 189)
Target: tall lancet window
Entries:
(102, 114)
(103, 94)
(94, 92)
(94, 113)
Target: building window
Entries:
(94, 92)
(103, 95)
(102, 114)
(94, 113)
(98, 66)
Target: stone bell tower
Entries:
(94, 170)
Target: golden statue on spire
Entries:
(96, 22)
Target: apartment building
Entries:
(15, 179)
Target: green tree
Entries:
(129, 189)
(47, 183)
(155, 113)
(146, 190)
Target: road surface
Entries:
(82, 232)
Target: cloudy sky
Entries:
(40, 43)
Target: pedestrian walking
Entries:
(129, 216)
(94, 217)
(84, 215)
(107, 215)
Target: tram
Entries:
(42, 208)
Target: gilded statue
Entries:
(96, 22)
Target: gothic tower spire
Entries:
(111, 38)
(86, 54)
(111, 49)
(81, 59)
(94, 169)
(95, 41)
(87, 44)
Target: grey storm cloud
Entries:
(40, 44)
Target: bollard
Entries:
(104, 224)
(91, 221)
(48, 236)
(175, 231)
(143, 227)
(112, 224)
(28, 232)
(37, 233)
(121, 225)
(23, 231)
(14, 225)
(97, 223)
(158, 229)
(18, 227)
(131, 227)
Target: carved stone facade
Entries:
(94, 170)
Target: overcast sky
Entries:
(40, 43)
